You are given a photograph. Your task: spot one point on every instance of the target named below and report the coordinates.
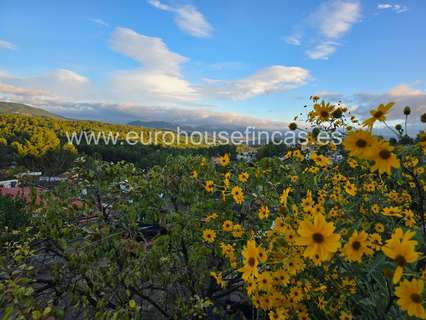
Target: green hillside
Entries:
(22, 109)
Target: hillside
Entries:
(25, 110)
(160, 125)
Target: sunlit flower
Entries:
(284, 196)
(410, 297)
(227, 225)
(383, 157)
(243, 176)
(263, 212)
(224, 160)
(250, 260)
(402, 249)
(209, 186)
(209, 235)
(319, 238)
(358, 143)
(323, 111)
(378, 114)
(357, 246)
(237, 194)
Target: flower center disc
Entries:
(385, 154)
(356, 245)
(318, 237)
(251, 262)
(416, 298)
(378, 114)
(400, 260)
(361, 143)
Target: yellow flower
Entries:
(392, 212)
(243, 176)
(294, 179)
(357, 246)
(378, 114)
(194, 174)
(379, 227)
(284, 196)
(263, 212)
(375, 208)
(209, 235)
(237, 194)
(375, 241)
(211, 217)
(296, 294)
(227, 225)
(281, 278)
(384, 159)
(209, 186)
(264, 281)
(262, 255)
(237, 231)
(410, 297)
(250, 260)
(350, 189)
(358, 143)
(402, 250)
(219, 279)
(319, 238)
(323, 111)
(345, 316)
(224, 160)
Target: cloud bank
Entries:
(325, 26)
(188, 18)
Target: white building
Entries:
(28, 174)
(9, 183)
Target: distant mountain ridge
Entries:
(160, 125)
(25, 110)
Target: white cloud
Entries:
(58, 84)
(99, 22)
(293, 40)
(265, 81)
(152, 52)
(394, 7)
(159, 78)
(7, 45)
(7, 90)
(325, 26)
(322, 51)
(404, 90)
(336, 17)
(188, 18)
(64, 75)
(159, 5)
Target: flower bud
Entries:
(407, 110)
(292, 126)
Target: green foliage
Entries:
(13, 216)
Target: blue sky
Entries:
(218, 62)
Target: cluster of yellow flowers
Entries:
(308, 241)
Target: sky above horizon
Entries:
(212, 61)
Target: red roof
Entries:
(24, 193)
